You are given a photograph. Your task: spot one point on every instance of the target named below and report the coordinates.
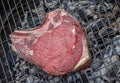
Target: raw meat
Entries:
(58, 46)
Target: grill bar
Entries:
(17, 11)
(36, 10)
(11, 32)
(3, 70)
(23, 10)
(30, 12)
(11, 13)
(6, 63)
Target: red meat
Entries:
(58, 46)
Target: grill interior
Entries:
(100, 19)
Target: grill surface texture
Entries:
(101, 21)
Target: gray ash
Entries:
(101, 20)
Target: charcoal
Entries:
(85, 14)
(108, 57)
(78, 80)
(104, 7)
(78, 6)
(82, 15)
(106, 79)
(74, 77)
(107, 32)
(117, 81)
(57, 80)
(26, 70)
(38, 13)
(17, 64)
(115, 27)
(11, 60)
(78, 77)
(97, 25)
(118, 73)
(96, 73)
(109, 6)
(63, 1)
(114, 58)
(118, 20)
(22, 79)
(107, 61)
(84, 78)
(103, 69)
(117, 48)
(117, 40)
(89, 14)
(17, 82)
(32, 79)
(69, 78)
(51, 3)
(101, 8)
(62, 79)
(109, 51)
(33, 70)
(89, 73)
(25, 23)
(71, 5)
(84, 2)
(98, 80)
(19, 75)
(43, 80)
(95, 17)
(96, 63)
(51, 81)
(32, 19)
(50, 77)
(112, 73)
(92, 38)
(116, 44)
(92, 7)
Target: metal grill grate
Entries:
(101, 20)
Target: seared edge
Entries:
(85, 59)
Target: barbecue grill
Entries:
(101, 21)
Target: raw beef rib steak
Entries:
(58, 46)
